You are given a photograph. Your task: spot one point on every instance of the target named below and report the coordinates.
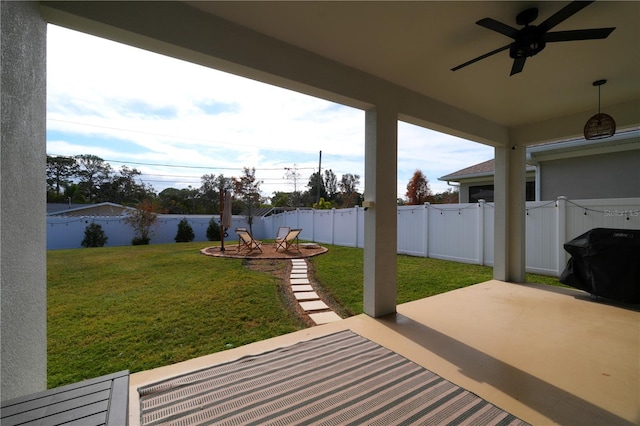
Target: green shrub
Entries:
(322, 205)
(185, 232)
(213, 231)
(140, 241)
(94, 236)
(143, 220)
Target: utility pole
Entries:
(319, 177)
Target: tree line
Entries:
(324, 190)
(86, 179)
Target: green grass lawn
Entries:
(340, 275)
(141, 307)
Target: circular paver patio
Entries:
(268, 252)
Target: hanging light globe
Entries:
(601, 125)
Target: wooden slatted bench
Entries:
(100, 401)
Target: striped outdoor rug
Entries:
(341, 379)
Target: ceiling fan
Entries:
(532, 39)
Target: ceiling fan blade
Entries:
(497, 26)
(486, 55)
(562, 14)
(592, 34)
(518, 65)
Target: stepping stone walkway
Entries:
(309, 300)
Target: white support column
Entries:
(510, 196)
(23, 256)
(380, 218)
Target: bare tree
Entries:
(330, 184)
(348, 189)
(293, 175)
(143, 219)
(247, 188)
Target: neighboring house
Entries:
(476, 182)
(578, 169)
(100, 209)
(269, 211)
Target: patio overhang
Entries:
(280, 44)
(390, 59)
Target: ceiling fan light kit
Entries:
(601, 125)
(532, 39)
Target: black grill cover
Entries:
(605, 262)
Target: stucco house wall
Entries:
(577, 169)
(23, 360)
(612, 175)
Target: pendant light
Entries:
(601, 125)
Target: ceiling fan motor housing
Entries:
(527, 16)
(529, 42)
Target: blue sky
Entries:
(148, 111)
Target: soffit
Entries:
(414, 45)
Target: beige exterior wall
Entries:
(612, 175)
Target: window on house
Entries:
(481, 192)
(531, 191)
(485, 192)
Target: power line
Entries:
(173, 182)
(292, 174)
(269, 180)
(193, 167)
(164, 135)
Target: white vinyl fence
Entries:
(464, 232)
(458, 232)
(68, 232)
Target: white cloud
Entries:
(126, 104)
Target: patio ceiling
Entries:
(403, 48)
(415, 44)
(386, 58)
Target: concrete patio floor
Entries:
(547, 355)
